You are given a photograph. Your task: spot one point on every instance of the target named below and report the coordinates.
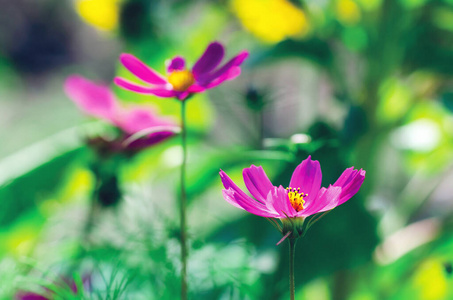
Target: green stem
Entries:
(182, 207)
(292, 248)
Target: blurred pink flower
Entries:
(64, 283)
(181, 82)
(303, 197)
(97, 100)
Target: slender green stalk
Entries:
(292, 248)
(182, 206)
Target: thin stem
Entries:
(182, 206)
(292, 248)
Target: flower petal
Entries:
(182, 95)
(128, 85)
(29, 296)
(233, 193)
(136, 119)
(230, 74)
(257, 182)
(150, 140)
(234, 62)
(326, 199)
(350, 182)
(194, 88)
(245, 202)
(210, 59)
(93, 99)
(141, 70)
(177, 63)
(278, 200)
(307, 176)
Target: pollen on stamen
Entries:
(181, 80)
(296, 198)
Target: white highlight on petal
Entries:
(422, 135)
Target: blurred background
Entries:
(364, 83)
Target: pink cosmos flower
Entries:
(98, 101)
(303, 197)
(181, 82)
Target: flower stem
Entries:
(292, 248)
(183, 200)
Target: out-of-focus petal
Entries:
(194, 88)
(136, 119)
(182, 95)
(141, 70)
(350, 182)
(307, 176)
(326, 199)
(257, 182)
(229, 75)
(277, 200)
(210, 59)
(128, 85)
(150, 139)
(234, 62)
(29, 296)
(93, 99)
(177, 63)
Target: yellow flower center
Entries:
(296, 198)
(181, 80)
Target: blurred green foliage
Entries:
(350, 82)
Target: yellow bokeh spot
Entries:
(429, 280)
(271, 20)
(102, 14)
(79, 183)
(348, 12)
(396, 99)
(21, 241)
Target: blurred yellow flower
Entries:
(102, 14)
(429, 280)
(271, 20)
(348, 12)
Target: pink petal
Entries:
(210, 59)
(234, 194)
(307, 176)
(350, 182)
(176, 64)
(229, 75)
(194, 88)
(93, 99)
(128, 85)
(245, 202)
(136, 119)
(182, 95)
(234, 62)
(149, 140)
(29, 296)
(277, 200)
(257, 182)
(326, 199)
(141, 70)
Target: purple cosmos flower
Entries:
(98, 101)
(304, 196)
(181, 82)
